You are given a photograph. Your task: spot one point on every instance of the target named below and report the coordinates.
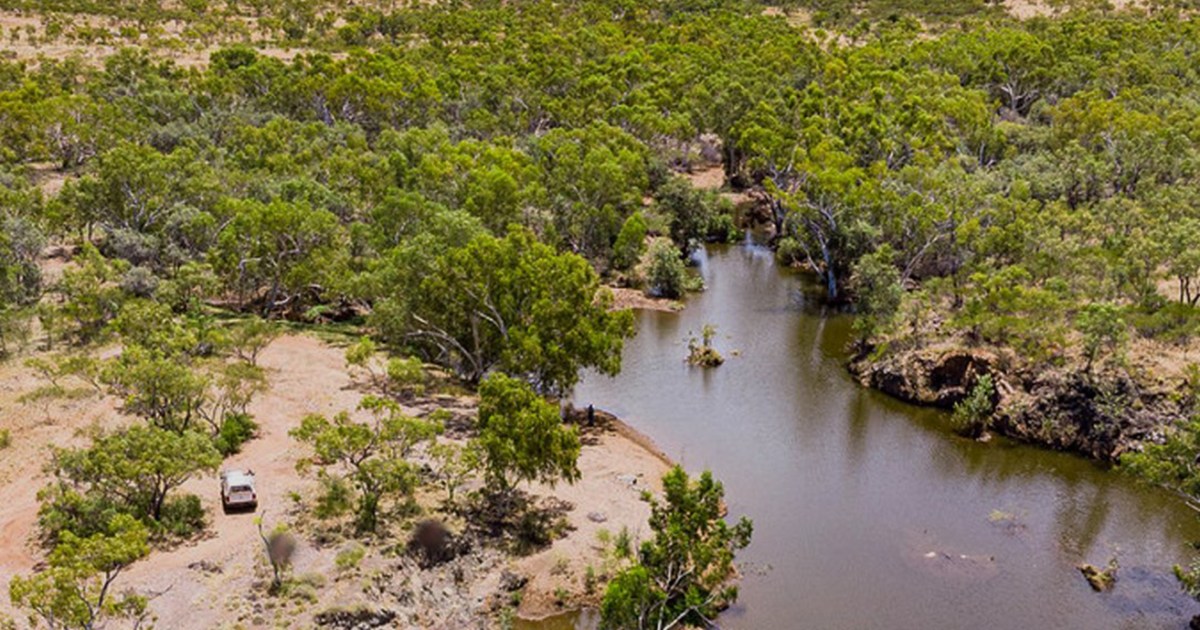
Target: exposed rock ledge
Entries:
(1098, 414)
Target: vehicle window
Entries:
(240, 489)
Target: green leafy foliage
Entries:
(684, 574)
(372, 456)
(278, 254)
(973, 415)
(1104, 330)
(666, 275)
(521, 437)
(462, 177)
(152, 207)
(21, 243)
(134, 471)
(1171, 462)
(631, 242)
(236, 429)
(876, 283)
(90, 298)
(690, 212)
(1011, 308)
(76, 590)
(248, 339)
(703, 354)
(512, 304)
(400, 377)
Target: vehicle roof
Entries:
(238, 477)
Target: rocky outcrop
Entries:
(1097, 413)
(1100, 415)
(355, 619)
(937, 379)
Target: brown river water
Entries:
(870, 513)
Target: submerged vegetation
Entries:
(703, 354)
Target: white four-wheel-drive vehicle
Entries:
(237, 490)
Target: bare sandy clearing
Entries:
(48, 178)
(307, 376)
(1025, 9)
(216, 581)
(35, 427)
(625, 298)
(707, 178)
(616, 470)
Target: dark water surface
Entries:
(869, 513)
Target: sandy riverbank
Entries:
(625, 298)
(216, 580)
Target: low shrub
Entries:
(236, 430)
(182, 516)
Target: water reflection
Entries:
(851, 490)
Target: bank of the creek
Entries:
(868, 512)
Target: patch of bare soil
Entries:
(794, 16)
(707, 178)
(625, 298)
(617, 465)
(96, 54)
(34, 428)
(171, 41)
(55, 259)
(307, 376)
(1167, 362)
(1025, 9)
(48, 178)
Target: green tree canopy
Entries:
(522, 437)
(134, 470)
(511, 304)
(76, 591)
(683, 575)
(373, 455)
(278, 254)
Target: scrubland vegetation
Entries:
(460, 181)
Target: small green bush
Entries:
(589, 580)
(973, 415)
(623, 544)
(335, 499)
(65, 510)
(788, 252)
(304, 587)
(631, 242)
(1174, 323)
(406, 376)
(236, 430)
(723, 229)
(350, 557)
(182, 516)
(666, 275)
